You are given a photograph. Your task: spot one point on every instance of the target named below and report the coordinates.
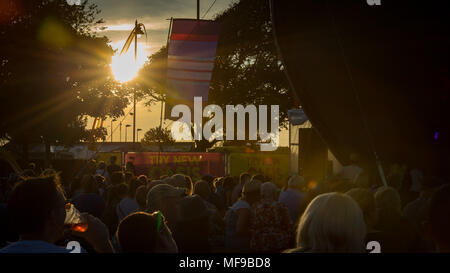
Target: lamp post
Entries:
(126, 131)
(120, 127)
(134, 116)
(138, 130)
(198, 9)
(112, 128)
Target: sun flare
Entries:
(125, 68)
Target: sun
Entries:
(124, 67)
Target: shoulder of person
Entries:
(293, 250)
(240, 204)
(243, 211)
(33, 247)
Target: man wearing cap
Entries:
(166, 199)
(293, 196)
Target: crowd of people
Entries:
(126, 213)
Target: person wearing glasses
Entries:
(37, 211)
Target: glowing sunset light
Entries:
(124, 67)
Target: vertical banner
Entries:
(192, 50)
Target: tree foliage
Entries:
(157, 135)
(247, 69)
(54, 71)
(152, 77)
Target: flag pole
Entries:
(167, 46)
(134, 94)
(162, 101)
(198, 9)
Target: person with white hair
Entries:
(332, 222)
(293, 196)
(273, 230)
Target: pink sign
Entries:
(154, 164)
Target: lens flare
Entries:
(125, 68)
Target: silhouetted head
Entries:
(142, 232)
(36, 209)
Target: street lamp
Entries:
(112, 127)
(126, 131)
(138, 130)
(134, 117)
(120, 127)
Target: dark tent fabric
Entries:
(388, 65)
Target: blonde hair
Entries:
(332, 222)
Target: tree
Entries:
(157, 135)
(247, 69)
(152, 77)
(54, 71)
